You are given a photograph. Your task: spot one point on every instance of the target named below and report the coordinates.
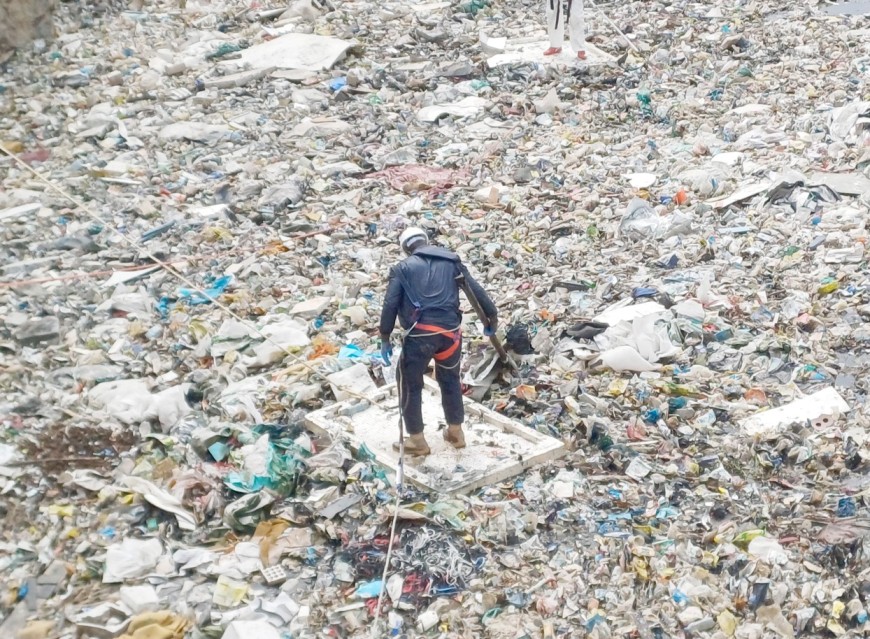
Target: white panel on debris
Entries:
(304, 51)
(825, 402)
(497, 447)
(532, 50)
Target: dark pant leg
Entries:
(447, 374)
(417, 352)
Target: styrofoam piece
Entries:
(519, 51)
(354, 379)
(492, 45)
(123, 277)
(245, 629)
(729, 158)
(467, 107)
(20, 211)
(825, 402)
(297, 51)
(853, 183)
(641, 180)
(743, 193)
(497, 447)
(140, 598)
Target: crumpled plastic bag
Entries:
(768, 550)
(161, 499)
(625, 359)
(640, 221)
(648, 335)
(130, 559)
(245, 513)
(127, 400)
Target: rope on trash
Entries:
(612, 24)
(167, 267)
(400, 478)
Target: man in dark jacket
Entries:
(423, 292)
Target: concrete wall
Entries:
(22, 21)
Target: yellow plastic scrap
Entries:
(617, 387)
(837, 609)
(666, 574)
(216, 234)
(639, 566)
(36, 630)
(727, 622)
(267, 534)
(828, 288)
(742, 540)
(156, 625)
(709, 559)
(13, 146)
(61, 510)
(692, 467)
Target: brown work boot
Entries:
(454, 436)
(414, 445)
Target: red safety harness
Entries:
(431, 329)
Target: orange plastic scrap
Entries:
(322, 347)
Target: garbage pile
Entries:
(677, 243)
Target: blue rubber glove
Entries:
(491, 326)
(386, 349)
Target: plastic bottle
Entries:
(395, 623)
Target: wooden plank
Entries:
(498, 447)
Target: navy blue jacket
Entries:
(431, 274)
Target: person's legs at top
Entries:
(577, 28)
(416, 354)
(555, 28)
(447, 374)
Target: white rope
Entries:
(401, 469)
(612, 24)
(400, 477)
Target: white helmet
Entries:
(410, 234)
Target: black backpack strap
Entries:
(411, 292)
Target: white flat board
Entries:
(743, 193)
(843, 183)
(304, 51)
(825, 402)
(518, 52)
(497, 447)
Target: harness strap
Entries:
(456, 335)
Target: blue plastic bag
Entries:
(206, 296)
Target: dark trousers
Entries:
(417, 352)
